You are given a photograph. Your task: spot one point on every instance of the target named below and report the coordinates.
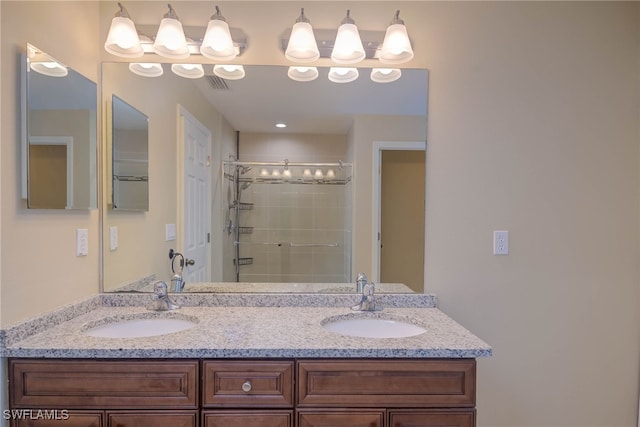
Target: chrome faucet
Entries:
(368, 301)
(361, 280)
(161, 300)
(177, 282)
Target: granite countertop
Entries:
(245, 327)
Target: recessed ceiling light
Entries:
(281, 125)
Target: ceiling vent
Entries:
(217, 83)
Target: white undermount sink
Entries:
(140, 327)
(372, 327)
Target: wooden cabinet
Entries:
(53, 418)
(433, 418)
(248, 418)
(335, 418)
(245, 393)
(154, 393)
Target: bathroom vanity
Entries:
(246, 364)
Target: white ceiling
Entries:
(267, 96)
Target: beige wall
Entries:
(533, 127)
(42, 271)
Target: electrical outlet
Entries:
(82, 242)
(113, 238)
(500, 242)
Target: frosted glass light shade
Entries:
(146, 69)
(229, 72)
(217, 43)
(343, 75)
(49, 68)
(303, 74)
(189, 71)
(385, 75)
(302, 46)
(123, 39)
(348, 48)
(396, 47)
(170, 41)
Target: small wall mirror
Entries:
(130, 157)
(60, 135)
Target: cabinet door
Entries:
(248, 419)
(152, 419)
(353, 418)
(432, 419)
(52, 418)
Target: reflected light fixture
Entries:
(303, 74)
(302, 46)
(189, 71)
(348, 48)
(123, 38)
(396, 47)
(49, 68)
(343, 75)
(281, 125)
(229, 72)
(170, 40)
(217, 43)
(146, 69)
(385, 75)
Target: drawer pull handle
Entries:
(246, 387)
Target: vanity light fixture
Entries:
(385, 75)
(303, 74)
(49, 68)
(123, 37)
(396, 47)
(189, 71)
(229, 71)
(146, 69)
(343, 74)
(302, 47)
(281, 125)
(348, 48)
(170, 40)
(217, 43)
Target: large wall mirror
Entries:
(263, 179)
(60, 135)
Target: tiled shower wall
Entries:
(295, 213)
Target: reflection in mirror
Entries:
(240, 115)
(60, 143)
(130, 152)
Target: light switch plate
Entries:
(170, 232)
(113, 238)
(82, 242)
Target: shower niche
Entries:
(288, 221)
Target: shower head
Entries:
(244, 169)
(245, 185)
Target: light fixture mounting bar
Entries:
(194, 35)
(371, 41)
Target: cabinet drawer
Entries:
(432, 419)
(387, 383)
(99, 384)
(248, 384)
(248, 419)
(351, 418)
(57, 419)
(153, 419)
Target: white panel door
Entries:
(195, 219)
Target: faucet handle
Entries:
(160, 288)
(369, 289)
